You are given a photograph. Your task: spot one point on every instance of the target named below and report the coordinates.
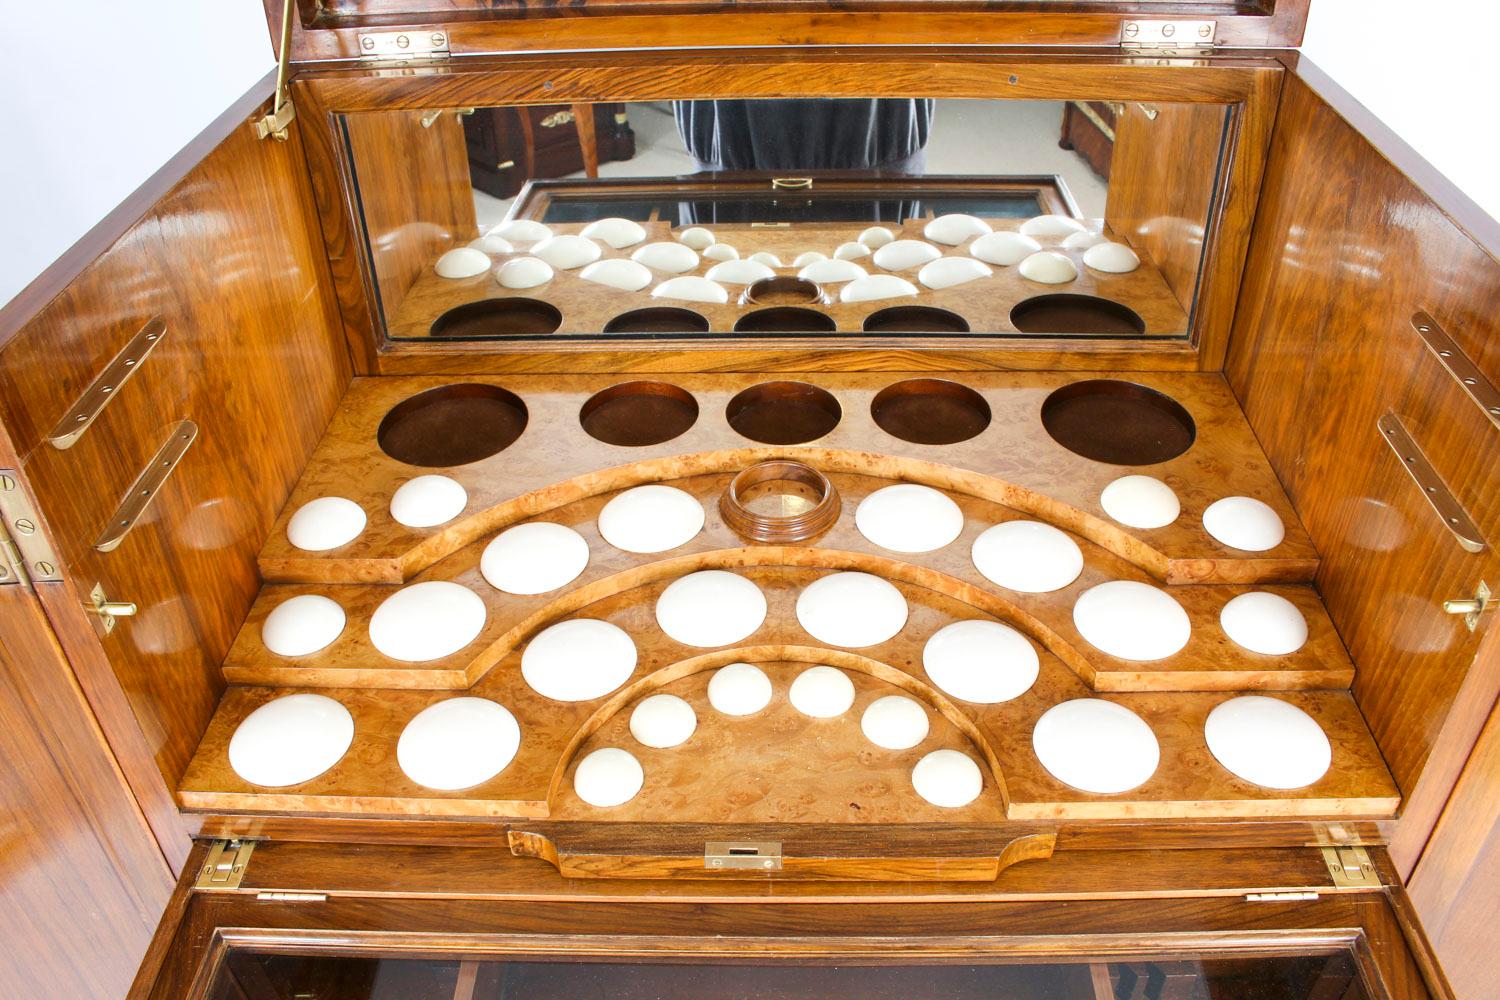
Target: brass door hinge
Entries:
(1169, 38)
(224, 868)
(29, 557)
(1350, 868)
(411, 45)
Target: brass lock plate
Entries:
(742, 855)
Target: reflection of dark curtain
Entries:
(816, 134)
(795, 209)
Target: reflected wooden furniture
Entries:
(1088, 128)
(509, 146)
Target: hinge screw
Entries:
(25, 526)
(438, 38)
(367, 44)
(45, 568)
(1168, 30)
(1131, 29)
(7, 484)
(402, 42)
(1204, 31)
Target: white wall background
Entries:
(1428, 69)
(141, 78)
(89, 117)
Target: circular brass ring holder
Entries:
(784, 290)
(805, 510)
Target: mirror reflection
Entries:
(815, 217)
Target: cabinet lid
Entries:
(417, 29)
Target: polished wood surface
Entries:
(228, 260)
(1323, 348)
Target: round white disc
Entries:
(739, 689)
(427, 501)
(851, 610)
(947, 778)
(1244, 523)
(302, 625)
(650, 519)
(894, 722)
(325, 523)
(909, 518)
(822, 692)
(1268, 742)
(427, 621)
(1140, 502)
(1028, 556)
(1096, 746)
(458, 743)
(710, 608)
(463, 262)
(608, 777)
(534, 558)
(578, 660)
(662, 721)
(291, 740)
(1264, 623)
(1134, 621)
(981, 662)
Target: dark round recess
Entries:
(452, 425)
(930, 411)
(509, 317)
(785, 319)
(657, 319)
(1121, 423)
(915, 319)
(783, 412)
(636, 414)
(782, 290)
(1066, 312)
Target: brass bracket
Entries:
(557, 119)
(1457, 364)
(138, 498)
(1350, 868)
(28, 545)
(429, 118)
(751, 855)
(1472, 607)
(1438, 495)
(275, 124)
(106, 610)
(107, 385)
(224, 868)
(791, 183)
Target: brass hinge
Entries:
(275, 124)
(1350, 868)
(412, 45)
(224, 868)
(28, 552)
(1169, 38)
(12, 566)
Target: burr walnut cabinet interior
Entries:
(266, 331)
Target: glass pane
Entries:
(249, 976)
(789, 184)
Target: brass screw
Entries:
(7, 483)
(45, 568)
(25, 526)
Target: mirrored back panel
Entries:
(713, 219)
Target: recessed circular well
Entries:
(657, 319)
(1067, 312)
(785, 319)
(779, 501)
(1121, 423)
(452, 425)
(635, 414)
(515, 316)
(930, 411)
(915, 319)
(782, 290)
(783, 412)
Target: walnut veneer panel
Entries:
(1347, 249)
(1013, 462)
(985, 304)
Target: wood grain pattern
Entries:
(1323, 348)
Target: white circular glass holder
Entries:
(673, 258)
(521, 231)
(524, 272)
(1111, 258)
(1028, 556)
(852, 610)
(1052, 227)
(981, 662)
(609, 777)
(697, 238)
(948, 779)
(691, 288)
(492, 245)
(721, 251)
(290, 740)
(428, 501)
(1244, 523)
(712, 607)
(822, 692)
(908, 517)
(578, 660)
(567, 252)
(1264, 623)
(739, 689)
(876, 237)
(1132, 621)
(951, 230)
(1096, 746)
(662, 721)
(1082, 241)
(427, 621)
(853, 250)
(768, 259)
(895, 722)
(1143, 502)
(617, 272)
(1048, 267)
(904, 254)
(458, 743)
(534, 558)
(651, 518)
(1003, 248)
(876, 287)
(1268, 742)
(832, 272)
(739, 272)
(949, 272)
(302, 625)
(325, 523)
(617, 233)
(462, 262)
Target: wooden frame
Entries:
(1249, 86)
